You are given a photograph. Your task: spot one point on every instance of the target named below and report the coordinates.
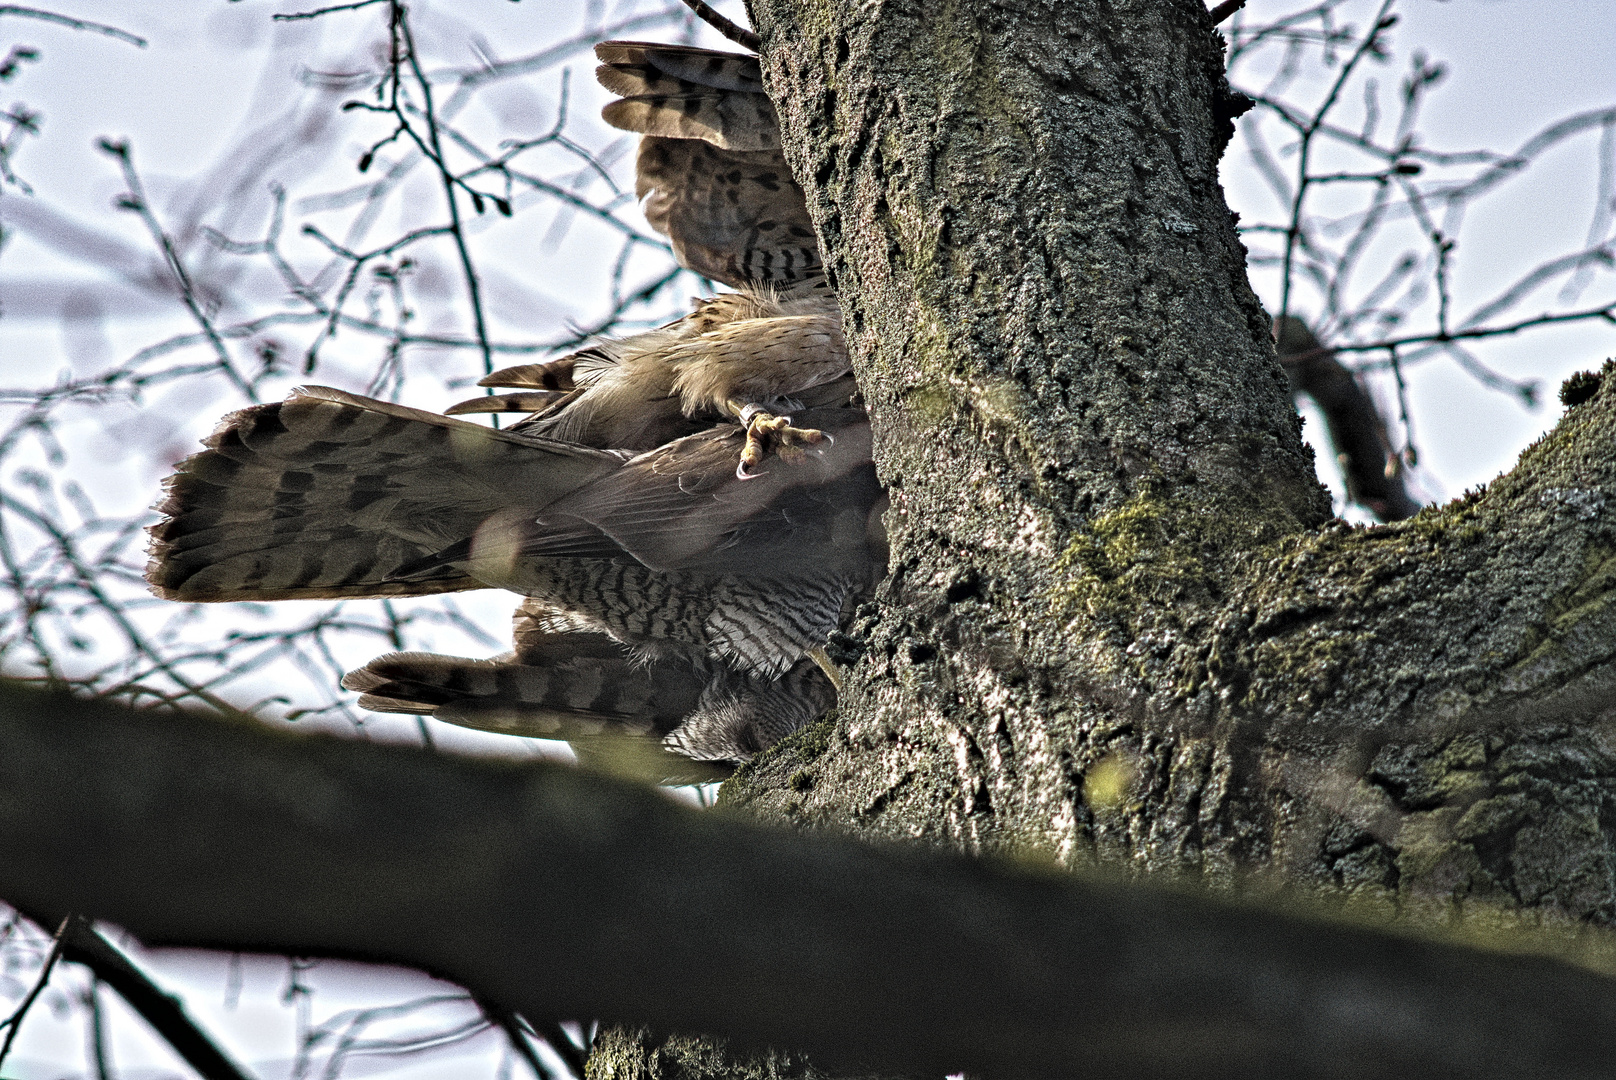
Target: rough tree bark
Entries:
(1120, 626)
(1120, 630)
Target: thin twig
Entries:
(13, 1023)
(1606, 313)
(556, 1038)
(68, 21)
(434, 149)
(137, 202)
(741, 36)
(1305, 147)
(315, 14)
(97, 1021)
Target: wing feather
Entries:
(710, 166)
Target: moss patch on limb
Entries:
(1461, 615)
(1363, 707)
(626, 1053)
(1108, 545)
(1495, 609)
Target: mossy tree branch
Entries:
(1109, 550)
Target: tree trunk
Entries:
(1119, 626)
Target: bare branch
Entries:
(741, 36)
(1606, 313)
(81, 944)
(13, 1023)
(433, 148)
(511, 1024)
(317, 12)
(1305, 146)
(68, 21)
(135, 201)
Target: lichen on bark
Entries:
(1120, 626)
(1108, 542)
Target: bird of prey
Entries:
(736, 357)
(662, 569)
(331, 495)
(676, 582)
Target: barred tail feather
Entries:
(612, 707)
(564, 697)
(738, 722)
(654, 716)
(330, 495)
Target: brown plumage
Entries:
(736, 349)
(675, 718)
(330, 494)
(710, 166)
(671, 599)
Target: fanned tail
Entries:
(330, 495)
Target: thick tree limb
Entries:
(557, 893)
(1108, 545)
(1370, 465)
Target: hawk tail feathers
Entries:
(331, 495)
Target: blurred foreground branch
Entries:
(556, 894)
(1370, 465)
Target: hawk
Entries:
(677, 586)
(735, 357)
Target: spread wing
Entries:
(710, 166)
(683, 508)
(333, 495)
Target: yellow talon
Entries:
(765, 430)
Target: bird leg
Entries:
(765, 431)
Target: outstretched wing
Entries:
(710, 166)
(333, 495)
(682, 507)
